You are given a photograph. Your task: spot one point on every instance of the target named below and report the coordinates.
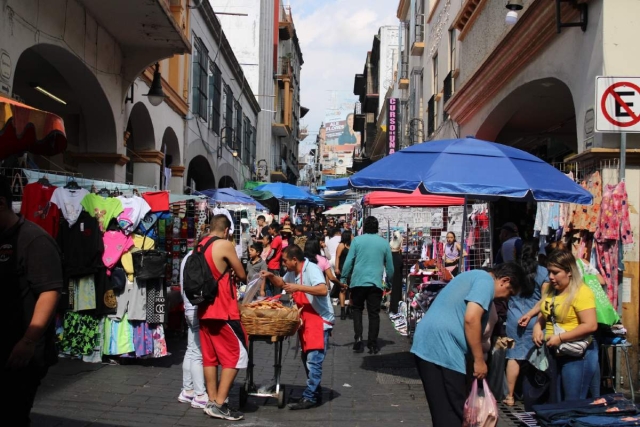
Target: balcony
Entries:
(146, 30)
(403, 81)
(417, 47)
(284, 72)
(285, 25)
(279, 129)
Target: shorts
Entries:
(224, 343)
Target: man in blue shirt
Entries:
(369, 256)
(451, 330)
(308, 286)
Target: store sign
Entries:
(617, 104)
(392, 127)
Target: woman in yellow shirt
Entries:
(573, 305)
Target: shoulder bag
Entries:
(149, 263)
(575, 348)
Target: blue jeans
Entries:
(192, 371)
(576, 374)
(312, 361)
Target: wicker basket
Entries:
(270, 325)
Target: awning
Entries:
(415, 199)
(343, 209)
(24, 128)
(337, 184)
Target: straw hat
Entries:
(286, 229)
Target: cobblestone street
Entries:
(359, 389)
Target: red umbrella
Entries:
(24, 128)
(415, 199)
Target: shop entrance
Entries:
(538, 117)
(51, 78)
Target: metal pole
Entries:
(623, 165)
(464, 223)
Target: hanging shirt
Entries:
(102, 209)
(158, 200)
(69, 202)
(613, 220)
(37, 207)
(134, 210)
(82, 246)
(115, 244)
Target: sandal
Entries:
(509, 401)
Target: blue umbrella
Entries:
(230, 195)
(337, 184)
(286, 192)
(474, 168)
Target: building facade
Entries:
(82, 60)
(221, 127)
(263, 37)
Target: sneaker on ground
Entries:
(199, 402)
(223, 412)
(303, 404)
(185, 398)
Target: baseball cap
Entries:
(510, 226)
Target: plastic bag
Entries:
(252, 289)
(480, 409)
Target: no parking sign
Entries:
(618, 104)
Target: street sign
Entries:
(618, 104)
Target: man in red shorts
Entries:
(222, 337)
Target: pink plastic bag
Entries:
(480, 409)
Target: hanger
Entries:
(104, 192)
(44, 181)
(72, 185)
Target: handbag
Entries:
(605, 313)
(149, 263)
(571, 348)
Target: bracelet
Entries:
(560, 337)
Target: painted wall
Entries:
(389, 52)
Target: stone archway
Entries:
(140, 139)
(171, 148)
(538, 117)
(227, 182)
(82, 104)
(199, 174)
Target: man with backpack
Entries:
(222, 337)
(31, 272)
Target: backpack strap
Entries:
(209, 242)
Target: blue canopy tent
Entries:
(471, 168)
(287, 192)
(230, 195)
(337, 184)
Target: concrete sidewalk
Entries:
(358, 389)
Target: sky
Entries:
(334, 36)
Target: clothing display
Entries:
(81, 245)
(101, 208)
(37, 207)
(69, 202)
(115, 244)
(133, 210)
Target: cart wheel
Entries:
(244, 395)
(281, 401)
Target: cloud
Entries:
(335, 36)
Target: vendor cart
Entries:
(249, 388)
(270, 324)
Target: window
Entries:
(452, 55)
(228, 116)
(436, 91)
(254, 137)
(215, 88)
(246, 144)
(200, 76)
(239, 130)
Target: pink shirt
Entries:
(323, 263)
(115, 244)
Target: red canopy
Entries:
(415, 199)
(24, 128)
